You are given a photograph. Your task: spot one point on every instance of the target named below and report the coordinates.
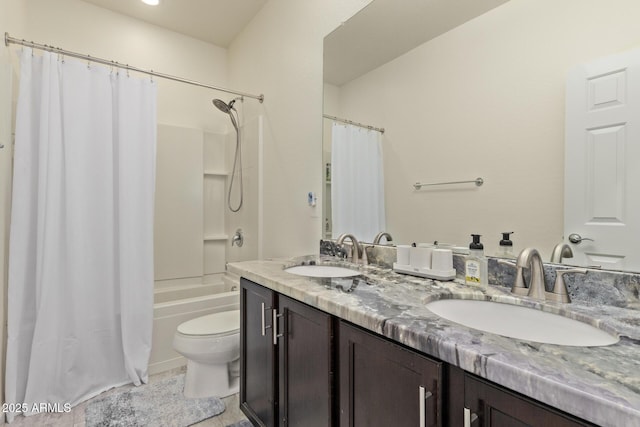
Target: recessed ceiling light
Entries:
(151, 2)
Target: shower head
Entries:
(222, 106)
(226, 108)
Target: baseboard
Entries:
(167, 365)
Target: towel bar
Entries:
(477, 181)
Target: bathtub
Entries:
(173, 306)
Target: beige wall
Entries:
(280, 54)
(83, 27)
(486, 99)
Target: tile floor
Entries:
(75, 418)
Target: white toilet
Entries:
(211, 345)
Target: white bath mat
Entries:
(159, 404)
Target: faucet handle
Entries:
(518, 287)
(560, 293)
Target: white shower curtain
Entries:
(80, 295)
(357, 182)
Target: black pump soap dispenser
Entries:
(475, 264)
(505, 249)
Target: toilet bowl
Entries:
(211, 345)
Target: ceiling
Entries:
(214, 21)
(379, 33)
(386, 29)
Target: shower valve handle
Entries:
(238, 238)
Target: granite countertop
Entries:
(598, 384)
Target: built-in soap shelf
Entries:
(215, 173)
(214, 237)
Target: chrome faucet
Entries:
(561, 250)
(380, 235)
(530, 258)
(356, 249)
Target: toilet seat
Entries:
(218, 324)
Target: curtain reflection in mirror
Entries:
(357, 182)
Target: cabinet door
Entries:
(490, 405)
(305, 371)
(257, 354)
(384, 384)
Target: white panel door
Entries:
(602, 162)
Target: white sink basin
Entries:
(521, 322)
(322, 271)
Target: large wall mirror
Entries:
(471, 89)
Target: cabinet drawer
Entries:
(493, 406)
(384, 384)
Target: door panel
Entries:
(257, 354)
(602, 149)
(380, 383)
(305, 374)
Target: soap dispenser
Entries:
(475, 264)
(505, 249)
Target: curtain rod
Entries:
(8, 39)
(338, 119)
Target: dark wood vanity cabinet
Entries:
(293, 372)
(383, 384)
(305, 375)
(258, 368)
(285, 360)
(489, 405)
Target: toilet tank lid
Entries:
(212, 324)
